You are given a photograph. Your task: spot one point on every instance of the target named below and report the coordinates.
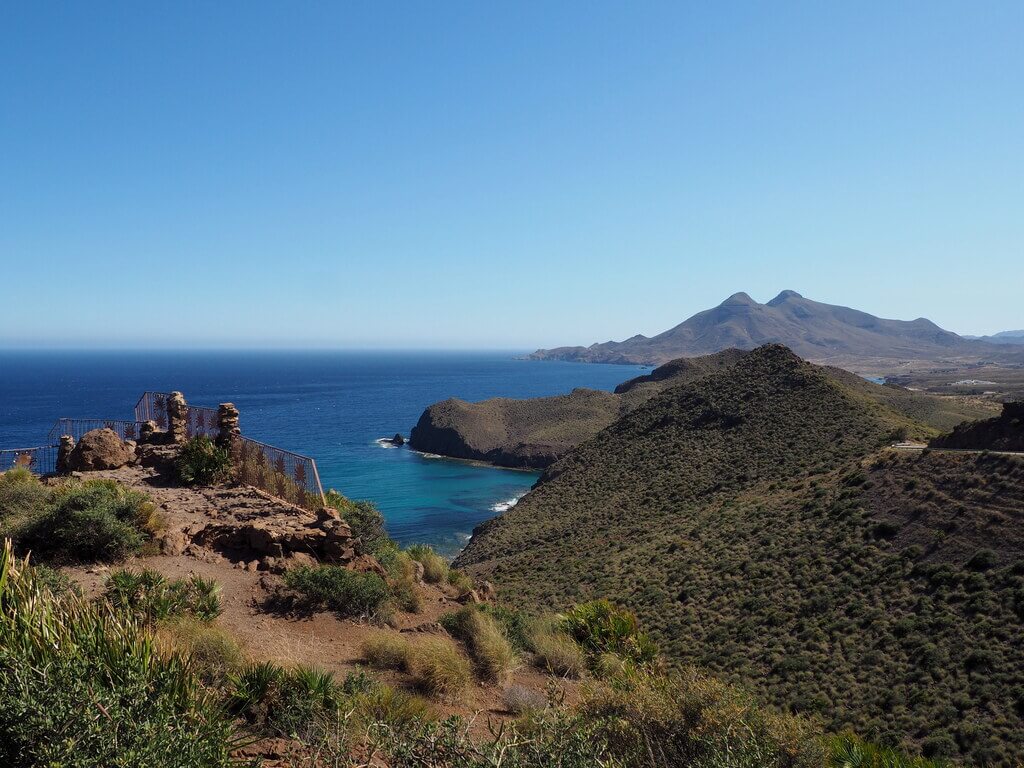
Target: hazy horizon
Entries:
(512, 177)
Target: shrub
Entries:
(346, 592)
(437, 668)
(152, 597)
(435, 567)
(383, 705)
(689, 719)
(386, 651)
(202, 462)
(22, 498)
(280, 702)
(462, 582)
(81, 686)
(849, 751)
(555, 651)
(600, 627)
(514, 623)
(365, 520)
(492, 653)
(89, 521)
(211, 650)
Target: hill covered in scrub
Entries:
(757, 525)
(534, 433)
(812, 329)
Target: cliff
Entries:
(1002, 433)
(534, 433)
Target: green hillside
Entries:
(743, 520)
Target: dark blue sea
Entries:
(332, 406)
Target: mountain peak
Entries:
(783, 297)
(738, 299)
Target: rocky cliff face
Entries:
(535, 433)
(1003, 433)
(521, 434)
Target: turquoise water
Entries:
(332, 406)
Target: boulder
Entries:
(100, 449)
(398, 439)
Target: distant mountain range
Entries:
(814, 330)
(1003, 337)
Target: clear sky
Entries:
(475, 174)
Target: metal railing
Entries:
(286, 475)
(126, 430)
(152, 406)
(41, 460)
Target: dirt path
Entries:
(319, 639)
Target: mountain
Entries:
(754, 520)
(813, 330)
(535, 433)
(1003, 337)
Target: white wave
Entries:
(385, 442)
(505, 506)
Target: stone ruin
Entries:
(242, 524)
(103, 449)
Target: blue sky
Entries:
(517, 175)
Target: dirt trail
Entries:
(318, 639)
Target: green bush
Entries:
(151, 597)
(94, 520)
(288, 703)
(365, 520)
(202, 462)
(600, 627)
(81, 687)
(348, 593)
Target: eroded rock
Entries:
(100, 449)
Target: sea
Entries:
(332, 405)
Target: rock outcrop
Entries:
(535, 433)
(100, 449)
(1003, 433)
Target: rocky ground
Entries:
(244, 539)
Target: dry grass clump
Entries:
(435, 664)
(492, 652)
(386, 651)
(437, 667)
(435, 567)
(693, 720)
(555, 651)
(212, 651)
(520, 700)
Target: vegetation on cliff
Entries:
(535, 433)
(744, 518)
